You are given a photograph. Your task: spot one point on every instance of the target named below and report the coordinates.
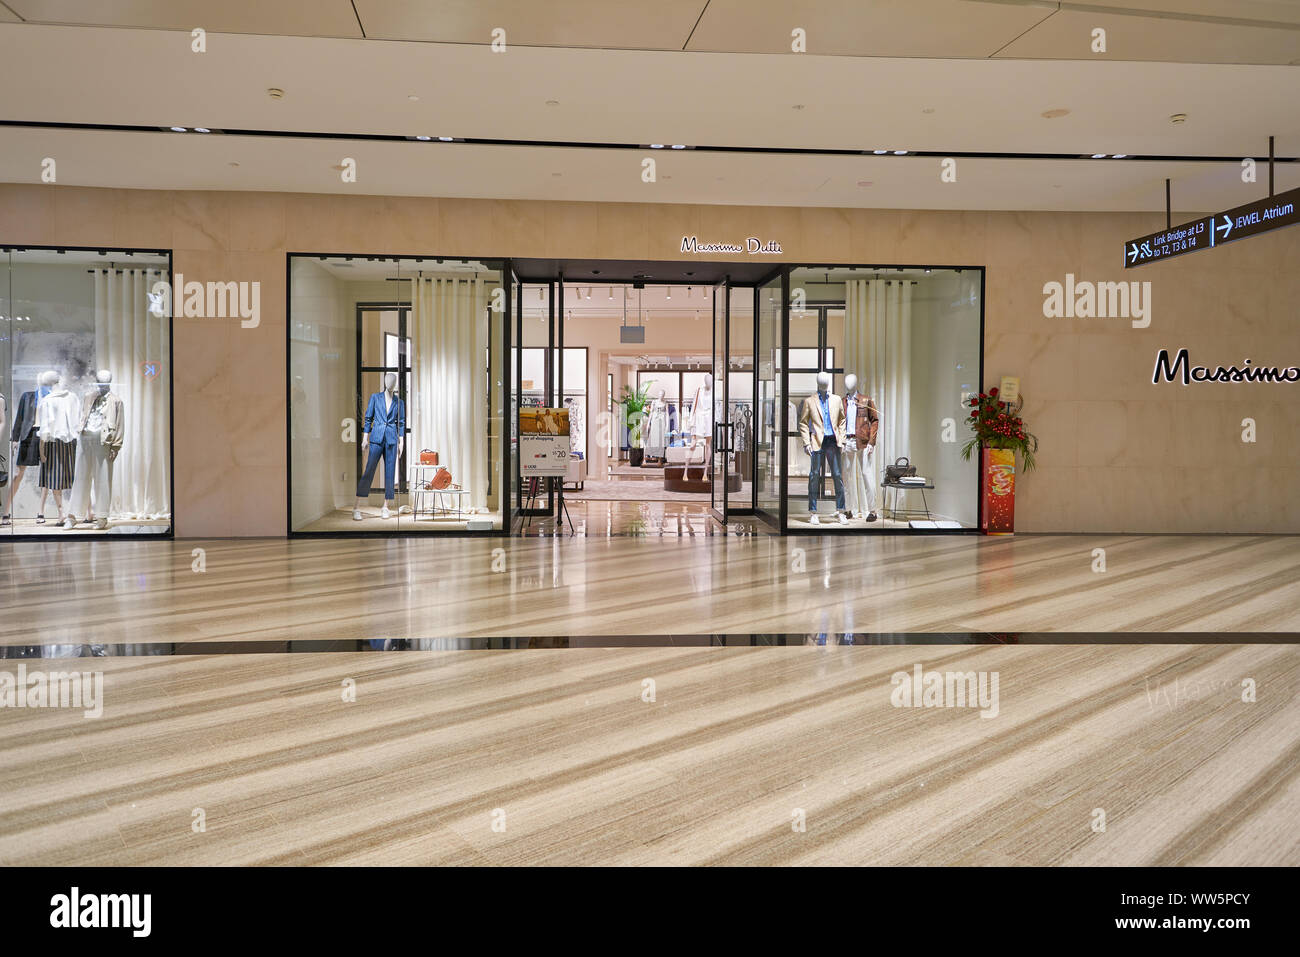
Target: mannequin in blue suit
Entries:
(383, 433)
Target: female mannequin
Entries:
(702, 416)
(26, 443)
(657, 427)
(383, 435)
(861, 431)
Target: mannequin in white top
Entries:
(657, 425)
(99, 440)
(702, 417)
(45, 382)
(58, 420)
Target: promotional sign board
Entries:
(543, 442)
(1252, 219)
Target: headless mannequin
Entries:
(702, 418)
(822, 447)
(46, 380)
(390, 384)
(97, 449)
(657, 425)
(859, 457)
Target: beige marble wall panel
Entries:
(1118, 453)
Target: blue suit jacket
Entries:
(384, 428)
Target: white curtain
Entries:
(128, 337)
(878, 347)
(448, 410)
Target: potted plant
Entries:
(632, 405)
(999, 433)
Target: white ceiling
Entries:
(1214, 31)
(151, 78)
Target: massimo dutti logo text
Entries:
(211, 300)
(75, 909)
(946, 689)
(56, 689)
(1098, 300)
(1181, 370)
(753, 246)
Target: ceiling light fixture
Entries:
(412, 97)
(880, 152)
(424, 139)
(900, 152)
(447, 139)
(275, 93)
(201, 129)
(656, 146)
(1099, 156)
(1178, 118)
(611, 293)
(1119, 156)
(679, 146)
(670, 292)
(179, 129)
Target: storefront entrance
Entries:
(670, 407)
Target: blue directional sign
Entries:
(1252, 219)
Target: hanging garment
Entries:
(657, 430)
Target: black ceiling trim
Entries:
(638, 147)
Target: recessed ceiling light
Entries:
(1054, 114)
(900, 152)
(1099, 156)
(178, 129)
(880, 152)
(1178, 118)
(275, 93)
(656, 146)
(679, 146)
(446, 139)
(424, 139)
(552, 102)
(1119, 156)
(201, 129)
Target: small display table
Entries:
(905, 487)
(434, 501)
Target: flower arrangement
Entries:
(998, 425)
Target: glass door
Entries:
(721, 437)
(535, 380)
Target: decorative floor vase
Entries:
(635, 457)
(999, 503)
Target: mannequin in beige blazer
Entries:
(823, 449)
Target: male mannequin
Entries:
(383, 435)
(58, 419)
(26, 441)
(99, 439)
(861, 429)
(821, 429)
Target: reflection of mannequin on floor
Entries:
(58, 422)
(657, 426)
(702, 416)
(25, 443)
(861, 430)
(821, 430)
(103, 422)
(383, 434)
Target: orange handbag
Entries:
(428, 457)
(441, 480)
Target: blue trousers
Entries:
(389, 455)
(828, 454)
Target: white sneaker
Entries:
(813, 519)
(385, 513)
(70, 522)
(844, 519)
(356, 515)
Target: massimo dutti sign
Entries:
(753, 246)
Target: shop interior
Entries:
(85, 393)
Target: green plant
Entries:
(998, 425)
(632, 404)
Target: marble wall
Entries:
(1118, 453)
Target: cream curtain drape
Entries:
(878, 347)
(448, 410)
(128, 338)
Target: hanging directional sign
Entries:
(1209, 231)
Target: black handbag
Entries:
(902, 466)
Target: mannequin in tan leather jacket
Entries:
(863, 429)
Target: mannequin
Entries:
(99, 439)
(861, 431)
(25, 442)
(383, 435)
(58, 421)
(702, 416)
(821, 429)
(657, 426)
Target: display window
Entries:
(85, 392)
(881, 363)
(396, 394)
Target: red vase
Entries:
(998, 501)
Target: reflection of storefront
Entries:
(85, 392)
(815, 379)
